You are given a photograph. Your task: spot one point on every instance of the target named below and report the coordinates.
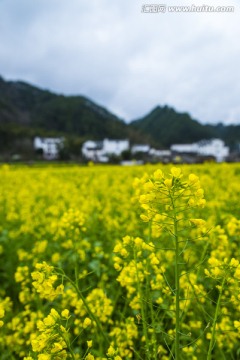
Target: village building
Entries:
(49, 147)
(140, 148)
(205, 148)
(164, 156)
(102, 150)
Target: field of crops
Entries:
(108, 262)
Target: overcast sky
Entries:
(125, 59)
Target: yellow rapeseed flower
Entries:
(65, 314)
(87, 322)
(111, 351)
(176, 172)
(168, 183)
(89, 344)
(158, 174)
(89, 357)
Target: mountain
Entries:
(27, 111)
(28, 106)
(166, 126)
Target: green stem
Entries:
(144, 322)
(197, 277)
(67, 342)
(177, 292)
(202, 258)
(177, 283)
(154, 338)
(148, 291)
(213, 339)
(92, 316)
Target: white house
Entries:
(101, 150)
(115, 147)
(50, 146)
(91, 150)
(140, 148)
(213, 147)
(160, 153)
(185, 148)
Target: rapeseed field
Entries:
(110, 262)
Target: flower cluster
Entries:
(158, 191)
(163, 198)
(44, 280)
(52, 340)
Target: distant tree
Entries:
(126, 155)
